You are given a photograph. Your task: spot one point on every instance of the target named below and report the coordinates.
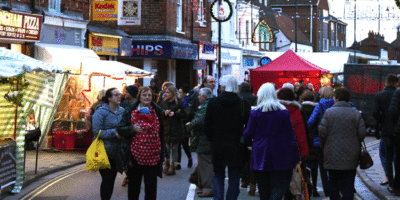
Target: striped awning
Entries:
(13, 64)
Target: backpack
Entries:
(188, 100)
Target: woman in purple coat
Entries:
(275, 151)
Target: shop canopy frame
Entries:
(43, 81)
(288, 67)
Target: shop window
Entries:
(179, 16)
(54, 5)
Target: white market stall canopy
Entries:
(332, 61)
(78, 60)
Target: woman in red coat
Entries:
(287, 98)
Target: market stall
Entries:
(288, 67)
(70, 130)
(26, 86)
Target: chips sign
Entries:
(20, 26)
(105, 10)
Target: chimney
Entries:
(370, 34)
(398, 32)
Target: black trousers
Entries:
(248, 174)
(107, 180)
(342, 181)
(390, 143)
(272, 185)
(135, 175)
(185, 144)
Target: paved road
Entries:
(76, 183)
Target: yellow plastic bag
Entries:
(96, 156)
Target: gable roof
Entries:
(287, 26)
(290, 61)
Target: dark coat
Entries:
(394, 110)
(307, 108)
(125, 130)
(224, 125)
(380, 111)
(250, 98)
(274, 147)
(199, 142)
(173, 126)
(341, 131)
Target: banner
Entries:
(129, 12)
(105, 10)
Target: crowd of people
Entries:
(258, 139)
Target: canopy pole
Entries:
(16, 117)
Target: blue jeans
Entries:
(272, 185)
(382, 154)
(324, 173)
(390, 144)
(233, 183)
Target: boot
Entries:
(166, 166)
(190, 163)
(171, 170)
(252, 190)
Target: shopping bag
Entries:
(295, 182)
(96, 156)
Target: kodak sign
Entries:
(104, 10)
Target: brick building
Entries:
(314, 21)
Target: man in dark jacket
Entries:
(224, 122)
(394, 112)
(382, 116)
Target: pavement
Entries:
(51, 161)
(373, 176)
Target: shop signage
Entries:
(129, 12)
(265, 60)
(200, 65)
(105, 10)
(104, 45)
(8, 174)
(60, 35)
(164, 50)
(248, 62)
(231, 56)
(207, 51)
(20, 26)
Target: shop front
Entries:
(207, 58)
(168, 60)
(20, 33)
(232, 63)
(251, 60)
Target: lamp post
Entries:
(219, 42)
(295, 28)
(355, 30)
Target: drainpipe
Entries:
(311, 21)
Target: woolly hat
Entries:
(288, 85)
(133, 90)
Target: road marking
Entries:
(191, 192)
(49, 183)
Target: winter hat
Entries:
(133, 90)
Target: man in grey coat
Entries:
(341, 131)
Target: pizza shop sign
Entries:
(20, 26)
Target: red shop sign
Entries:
(20, 26)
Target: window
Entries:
(265, 2)
(54, 5)
(326, 44)
(179, 16)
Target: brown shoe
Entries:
(252, 190)
(166, 167)
(171, 170)
(205, 194)
(199, 191)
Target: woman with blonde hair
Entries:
(173, 127)
(275, 150)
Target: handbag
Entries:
(295, 182)
(365, 159)
(96, 156)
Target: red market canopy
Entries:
(288, 67)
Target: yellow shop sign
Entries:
(105, 10)
(103, 45)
